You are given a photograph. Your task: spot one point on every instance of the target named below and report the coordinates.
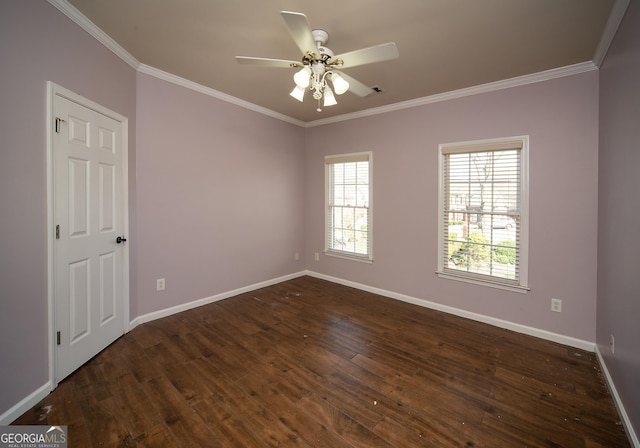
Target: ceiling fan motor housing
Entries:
(321, 37)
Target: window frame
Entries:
(329, 161)
(522, 251)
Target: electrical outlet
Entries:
(317, 256)
(612, 344)
(556, 305)
(296, 256)
(160, 284)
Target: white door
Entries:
(89, 210)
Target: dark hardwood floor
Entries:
(308, 363)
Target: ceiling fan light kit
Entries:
(315, 75)
(319, 65)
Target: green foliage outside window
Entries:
(505, 253)
(475, 251)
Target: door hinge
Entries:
(58, 121)
(58, 231)
(58, 338)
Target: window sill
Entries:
(361, 259)
(482, 282)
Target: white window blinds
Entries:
(348, 205)
(483, 211)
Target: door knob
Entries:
(120, 239)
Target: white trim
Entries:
(518, 328)
(626, 421)
(34, 398)
(50, 234)
(25, 404)
(347, 256)
(612, 26)
(482, 145)
(610, 30)
(215, 94)
(482, 282)
(87, 25)
(86, 102)
(215, 298)
(83, 22)
(31, 400)
(54, 90)
(329, 161)
(546, 75)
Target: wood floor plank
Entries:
(517, 430)
(309, 363)
(186, 383)
(105, 420)
(348, 401)
(160, 439)
(294, 418)
(136, 359)
(227, 427)
(232, 396)
(416, 430)
(185, 425)
(550, 406)
(140, 419)
(203, 340)
(341, 423)
(403, 434)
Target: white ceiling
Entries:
(444, 45)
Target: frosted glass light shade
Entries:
(298, 93)
(340, 85)
(329, 99)
(302, 78)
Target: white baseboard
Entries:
(531, 331)
(628, 427)
(31, 400)
(25, 404)
(543, 334)
(196, 303)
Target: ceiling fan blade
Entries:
(369, 55)
(267, 62)
(300, 31)
(356, 87)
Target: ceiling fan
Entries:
(319, 66)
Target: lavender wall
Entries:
(561, 118)
(39, 44)
(216, 189)
(220, 196)
(619, 190)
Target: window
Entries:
(483, 228)
(348, 205)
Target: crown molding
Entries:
(469, 91)
(83, 22)
(215, 94)
(87, 25)
(610, 29)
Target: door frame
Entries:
(54, 90)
